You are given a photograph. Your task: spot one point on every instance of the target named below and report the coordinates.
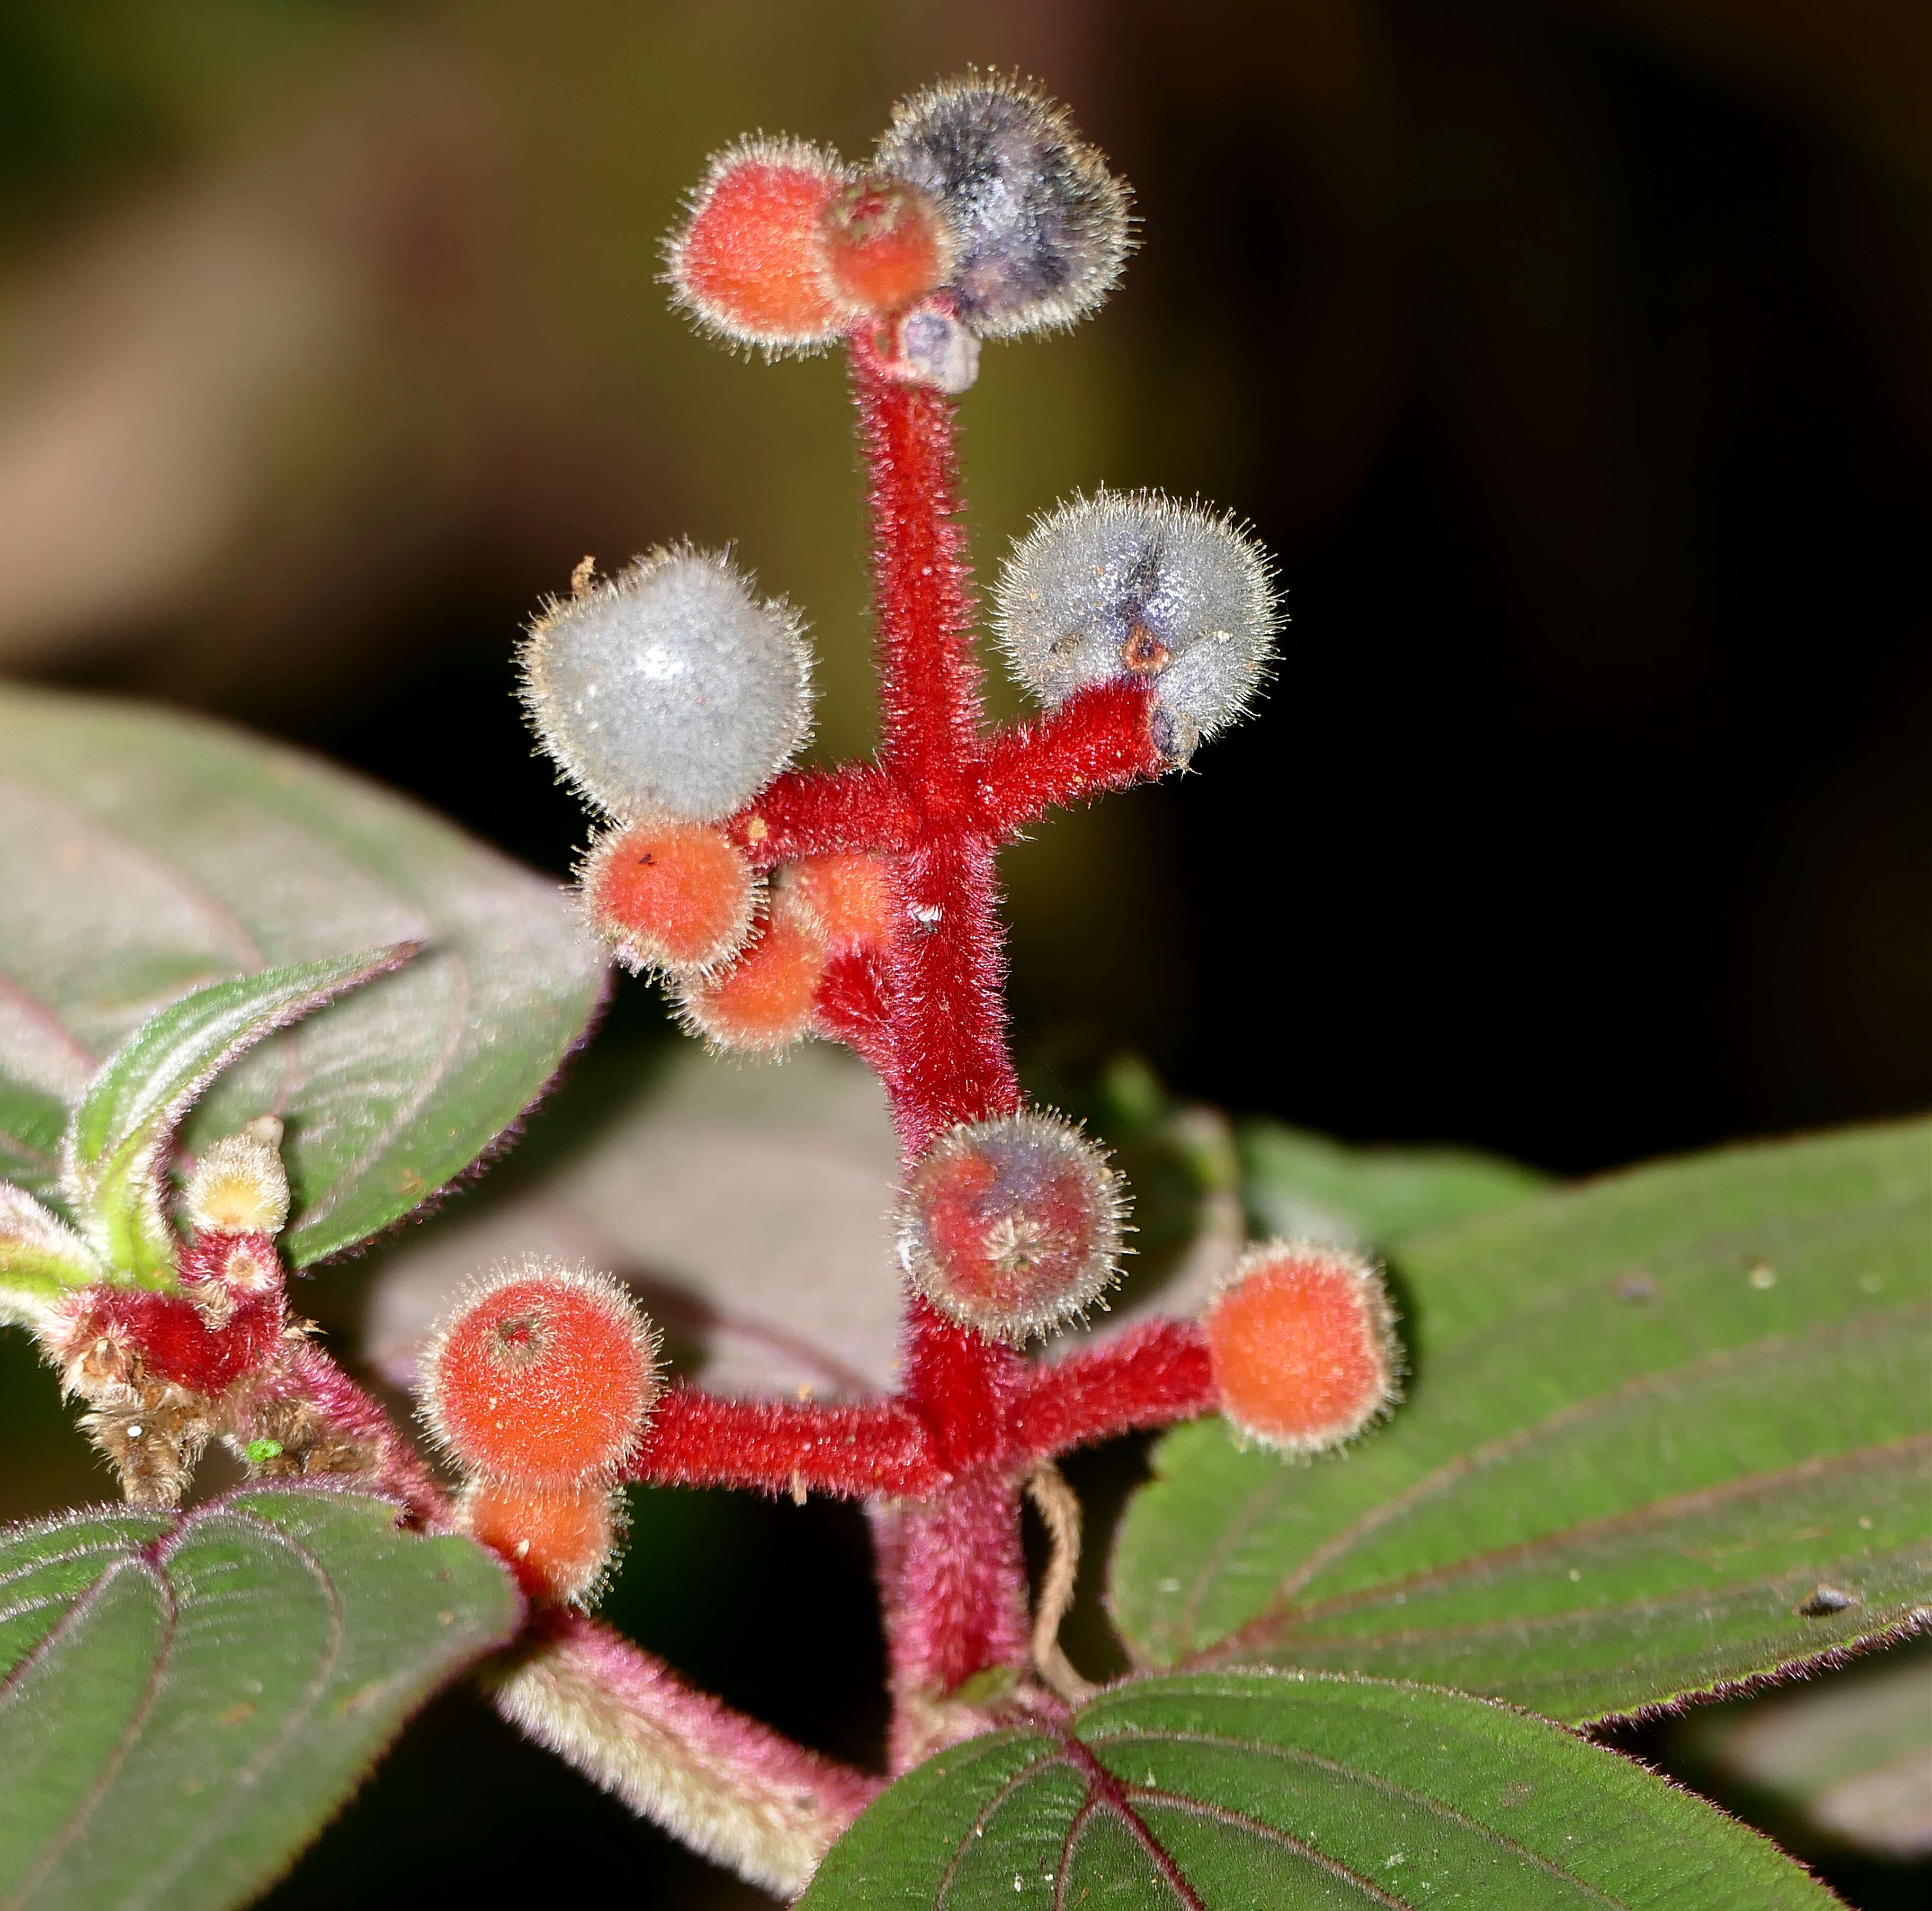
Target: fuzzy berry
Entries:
(1039, 225)
(544, 1377)
(670, 691)
(885, 245)
(1013, 1226)
(1301, 1345)
(750, 263)
(668, 895)
(1136, 586)
(560, 1544)
(763, 1003)
(850, 897)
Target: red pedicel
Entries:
(1301, 1346)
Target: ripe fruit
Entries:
(1039, 225)
(558, 1544)
(670, 691)
(850, 897)
(885, 244)
(763, 1001)
(544, 1377)
(1301, 1345)
(1012, 1226)
(1135, 585)
(677, 896)
(750, 262)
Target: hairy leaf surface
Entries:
(1665, 1431)
(1221, 1792)
(144, 854)
(185, 1701)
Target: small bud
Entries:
(885, 244)
(670, 691)
(1301, 1341)
(1013, 1226)
(675, 896)
(750, 263)
(558, 1544)
(1039, 225)
(763, 1003)
(850, 897)
(934, 349)
(542, 1376)
(240, 1186)
(1135, 585)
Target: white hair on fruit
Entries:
(1040, 227)
(1134, 584)
(671, 690)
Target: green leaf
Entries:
(41, 1258)
(1666, 1431)
(187, 1701)
(1218, 1792)
(144, 854)
(1302, 1185)
(132, 1106)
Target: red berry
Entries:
(1302, 1346)
(558, 1544)
(850, 897)
(764, 1001)
(1012, 1226)
(751, 262)
(544, 1378)
(885, 246)
(669, 896)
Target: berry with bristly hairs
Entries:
(1039, 226)
(669, 895)
(544, 1376)
(762, 1004)
(1013, 1226)
(885, 244)
(850, 897)
(750, 263)
(239, 1186)
(935, 349)
(1301, 1343)
(1135, 585)
(670, 691)
(558, 1544)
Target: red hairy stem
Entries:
(1097, 740)
(810, 812)
(695, 1440)
(851, 1008)
(1152, 1376)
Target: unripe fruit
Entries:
(558, 1544)
(671, 691)
(1013, 1226)
(1302, 1345)
(1039, 225)
(750, 262)
(885, 244)
(543, 1376)
(1135, 585)
(850, 897)
(935, 349)
(763, 1003)
(239, 1186)
(675, 896)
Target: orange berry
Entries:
(1302, 1345)
(763, 1001)
(558, 1544)
(750, 263)
(885, 245)
(850, 896)
(544, 1376)
(669, 895)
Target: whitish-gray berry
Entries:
(1012, 1226)
(1135, 585)
(670, 691)
(1040, 226)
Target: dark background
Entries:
(1575, 358)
